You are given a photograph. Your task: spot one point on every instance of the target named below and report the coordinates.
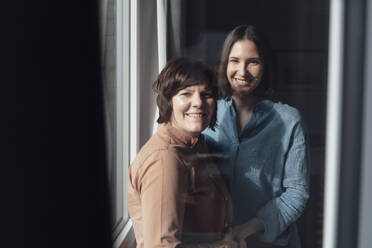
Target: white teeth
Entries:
(241, 81)
(195, 115)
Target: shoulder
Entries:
(156, 157)
(292, 119)
(223, 116)
(157, 151)
(287, 113)
(225, 111)
(151, 148)
(223, 104)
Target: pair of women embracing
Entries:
(244, 181)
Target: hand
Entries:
(247, 229)
(253, 242)
(241, 232)
(242, 243)
(230, 241)
(234, 240)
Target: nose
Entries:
(243, 70)
(197, 100)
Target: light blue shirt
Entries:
(266, 167)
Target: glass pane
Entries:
(297, 32)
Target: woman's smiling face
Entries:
(245, 67)
(193, 108)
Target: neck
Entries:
(183, 132)
(244, 105)
(244, 102)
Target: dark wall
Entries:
(297, 32)
(53, 163)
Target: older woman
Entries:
(265, 143)
(176, 195)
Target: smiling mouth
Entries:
(242, 81)
(196, 115)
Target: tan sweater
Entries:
(176, 195)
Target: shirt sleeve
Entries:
(162, 186)
(279, 213)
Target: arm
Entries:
(249, 228)
(280, 212)
(162, 186)
(163, 189)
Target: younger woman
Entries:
(264, 143)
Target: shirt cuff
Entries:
(271, 233)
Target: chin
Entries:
(197, 127)
(196, 130)
(245, 90)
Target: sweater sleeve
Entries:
(163, 186)
(280, 212)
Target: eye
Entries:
(255, 62)
(207, 95)
(184, 93)
(233, 60)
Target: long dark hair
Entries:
(245, 32)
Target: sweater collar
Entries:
(178, 136)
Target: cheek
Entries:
(257, 71)
(179, 106)
(229, 73)
(261, 70)
(228, 70)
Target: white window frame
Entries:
(334, 121)
(127, 104)
(122, 127)
(365, 216)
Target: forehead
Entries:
(197, 87)
(244, 48)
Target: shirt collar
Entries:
(262, 106)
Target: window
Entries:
(116, 76)
(297, 32)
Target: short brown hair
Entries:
(178, 74)
(244, 32)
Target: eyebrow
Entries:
(204, 90)
(233, 57)
(185, 89)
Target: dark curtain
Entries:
(53, 179)
(176, 25)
